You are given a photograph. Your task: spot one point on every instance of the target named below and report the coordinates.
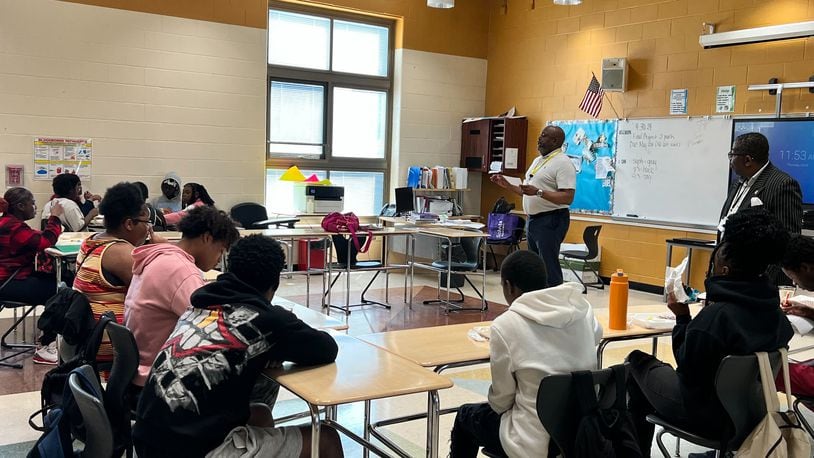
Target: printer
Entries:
(320, 199)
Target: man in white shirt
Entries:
(547, 191)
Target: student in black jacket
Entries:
(743, 316)
(197, 398)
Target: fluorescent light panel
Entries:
(441, 3)
(758, 35)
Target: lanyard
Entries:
(542, 163)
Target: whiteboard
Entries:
(672, 170)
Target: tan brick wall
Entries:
(541, 61)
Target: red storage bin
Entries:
(317, 254)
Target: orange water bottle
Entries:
(617, 308)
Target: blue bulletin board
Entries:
(591, 146)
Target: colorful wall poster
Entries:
(57, 155)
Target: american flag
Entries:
(592, 102)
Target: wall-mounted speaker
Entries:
(614, 74)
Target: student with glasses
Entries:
(105, 260)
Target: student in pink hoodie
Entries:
(165, 276)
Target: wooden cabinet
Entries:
(488, 140)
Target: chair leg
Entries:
(571, 268)
(469, 309)
(494, 259)
(660, 443)
(803, 422)
(13, 328)
(25, 348)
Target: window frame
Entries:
(330, 80)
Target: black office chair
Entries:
(98, 438)
(461, 265)
(591, 239)
(22, 346)
(117, 395)
(559, 410)
(809, 403)
(738, 387)
(253, 216)
(512, 243)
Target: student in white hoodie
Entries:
(546, 331)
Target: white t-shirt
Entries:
(71, 217)
(551, 173)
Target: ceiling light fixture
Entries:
(441, 3)
(567, 2)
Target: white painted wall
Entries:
(155, 93)
(433, 94)
(160, 93)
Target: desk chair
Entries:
(738, 387)
(340, 245)
(559, 410)
(23, 346)
(117, 395)
(809, 403)
(253, 216)
(471, 247)
(513, 242)
(98, 431)
(591, 239)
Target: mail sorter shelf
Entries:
(485, 140)
(457, 195)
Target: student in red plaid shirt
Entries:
(19, 245)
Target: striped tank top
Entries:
(101, 293)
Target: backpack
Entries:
(58, 409)
(348, 222)
(502, 206)
(604, 433)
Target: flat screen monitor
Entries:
(791, 147)
(404, 201)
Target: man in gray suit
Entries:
(762, 184)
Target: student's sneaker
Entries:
(46, 355)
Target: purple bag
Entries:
(502, 226)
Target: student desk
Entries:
(449, 234)
(437, 347)
(362, 372)
(633, 331)
(310, 317)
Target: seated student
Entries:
(170, 199)
(798, 264)
(166, 275)
(742, 316)
(19, 245)
(105, 262)
(67, 191)
(194, 195)
(545, 331)
(196, 401)
(89, 201)
(155, 217)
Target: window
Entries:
(288, 198)
(329, 101)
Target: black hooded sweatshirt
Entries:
(201, 381)
(743, 316)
